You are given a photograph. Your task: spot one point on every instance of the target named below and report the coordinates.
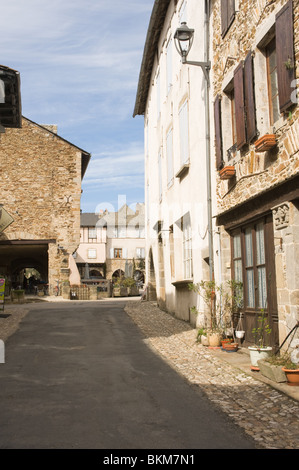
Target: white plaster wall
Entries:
(190, 193)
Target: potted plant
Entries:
(222, 300)
(291, 370)
(260, 350)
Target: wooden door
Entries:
(254, 263)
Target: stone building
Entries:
(255, 57)
(41, 176)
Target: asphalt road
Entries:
(78, 375)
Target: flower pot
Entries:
(204, 340)
(214, 340)
(227, 172)
(264, 143)
(292, 376)
(257, 354)
(225, 341)
(240, 334)
(230, 347)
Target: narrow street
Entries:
(81, 375)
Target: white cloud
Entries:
(79, 62)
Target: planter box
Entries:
(227, 172)
(264, 143)
(271, 371)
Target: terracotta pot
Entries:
(292, 376)
(227, 172)
(230, 346)
(264, 143)
(224, 341)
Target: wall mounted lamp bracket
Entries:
(204, 65)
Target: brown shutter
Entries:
(285, 55)
(239, 106)
(227, 15)
(218, 133)
(249, 97)
(223, 17)
(230, 12)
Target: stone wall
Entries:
(255, 172)
(41, 189)
(258, 173)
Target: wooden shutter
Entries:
(249, 97)
(227, 15)
(285, 54)
(240, 106)
(218, 133)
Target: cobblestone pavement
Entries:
(265, 413)
(268, 415)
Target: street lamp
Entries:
(183, 39)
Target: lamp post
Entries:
(183, 39)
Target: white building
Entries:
(172, 96)
(112, 244)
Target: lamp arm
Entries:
(204, 65)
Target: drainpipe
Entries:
(208, 141)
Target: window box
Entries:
(227, 172)
(266, 142)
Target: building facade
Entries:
(41, 176)
(112, 245)
(227, 210)
(255, 65)
(172, 98)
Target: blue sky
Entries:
(79, 62)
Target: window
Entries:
(184, 133)
(117, 253)
(285, 57)
(272, 82)
(240, 115)
(92, 233)
(140, 253)
(227, 15)
(169, 153)
(253, 263)
(187, 247)
(249, 262)
(91, 253)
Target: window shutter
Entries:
(227, 15)
(223, 17)
(285, 54)
(218, 133)
(239, 105)
(111, 253)
(249, 97)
